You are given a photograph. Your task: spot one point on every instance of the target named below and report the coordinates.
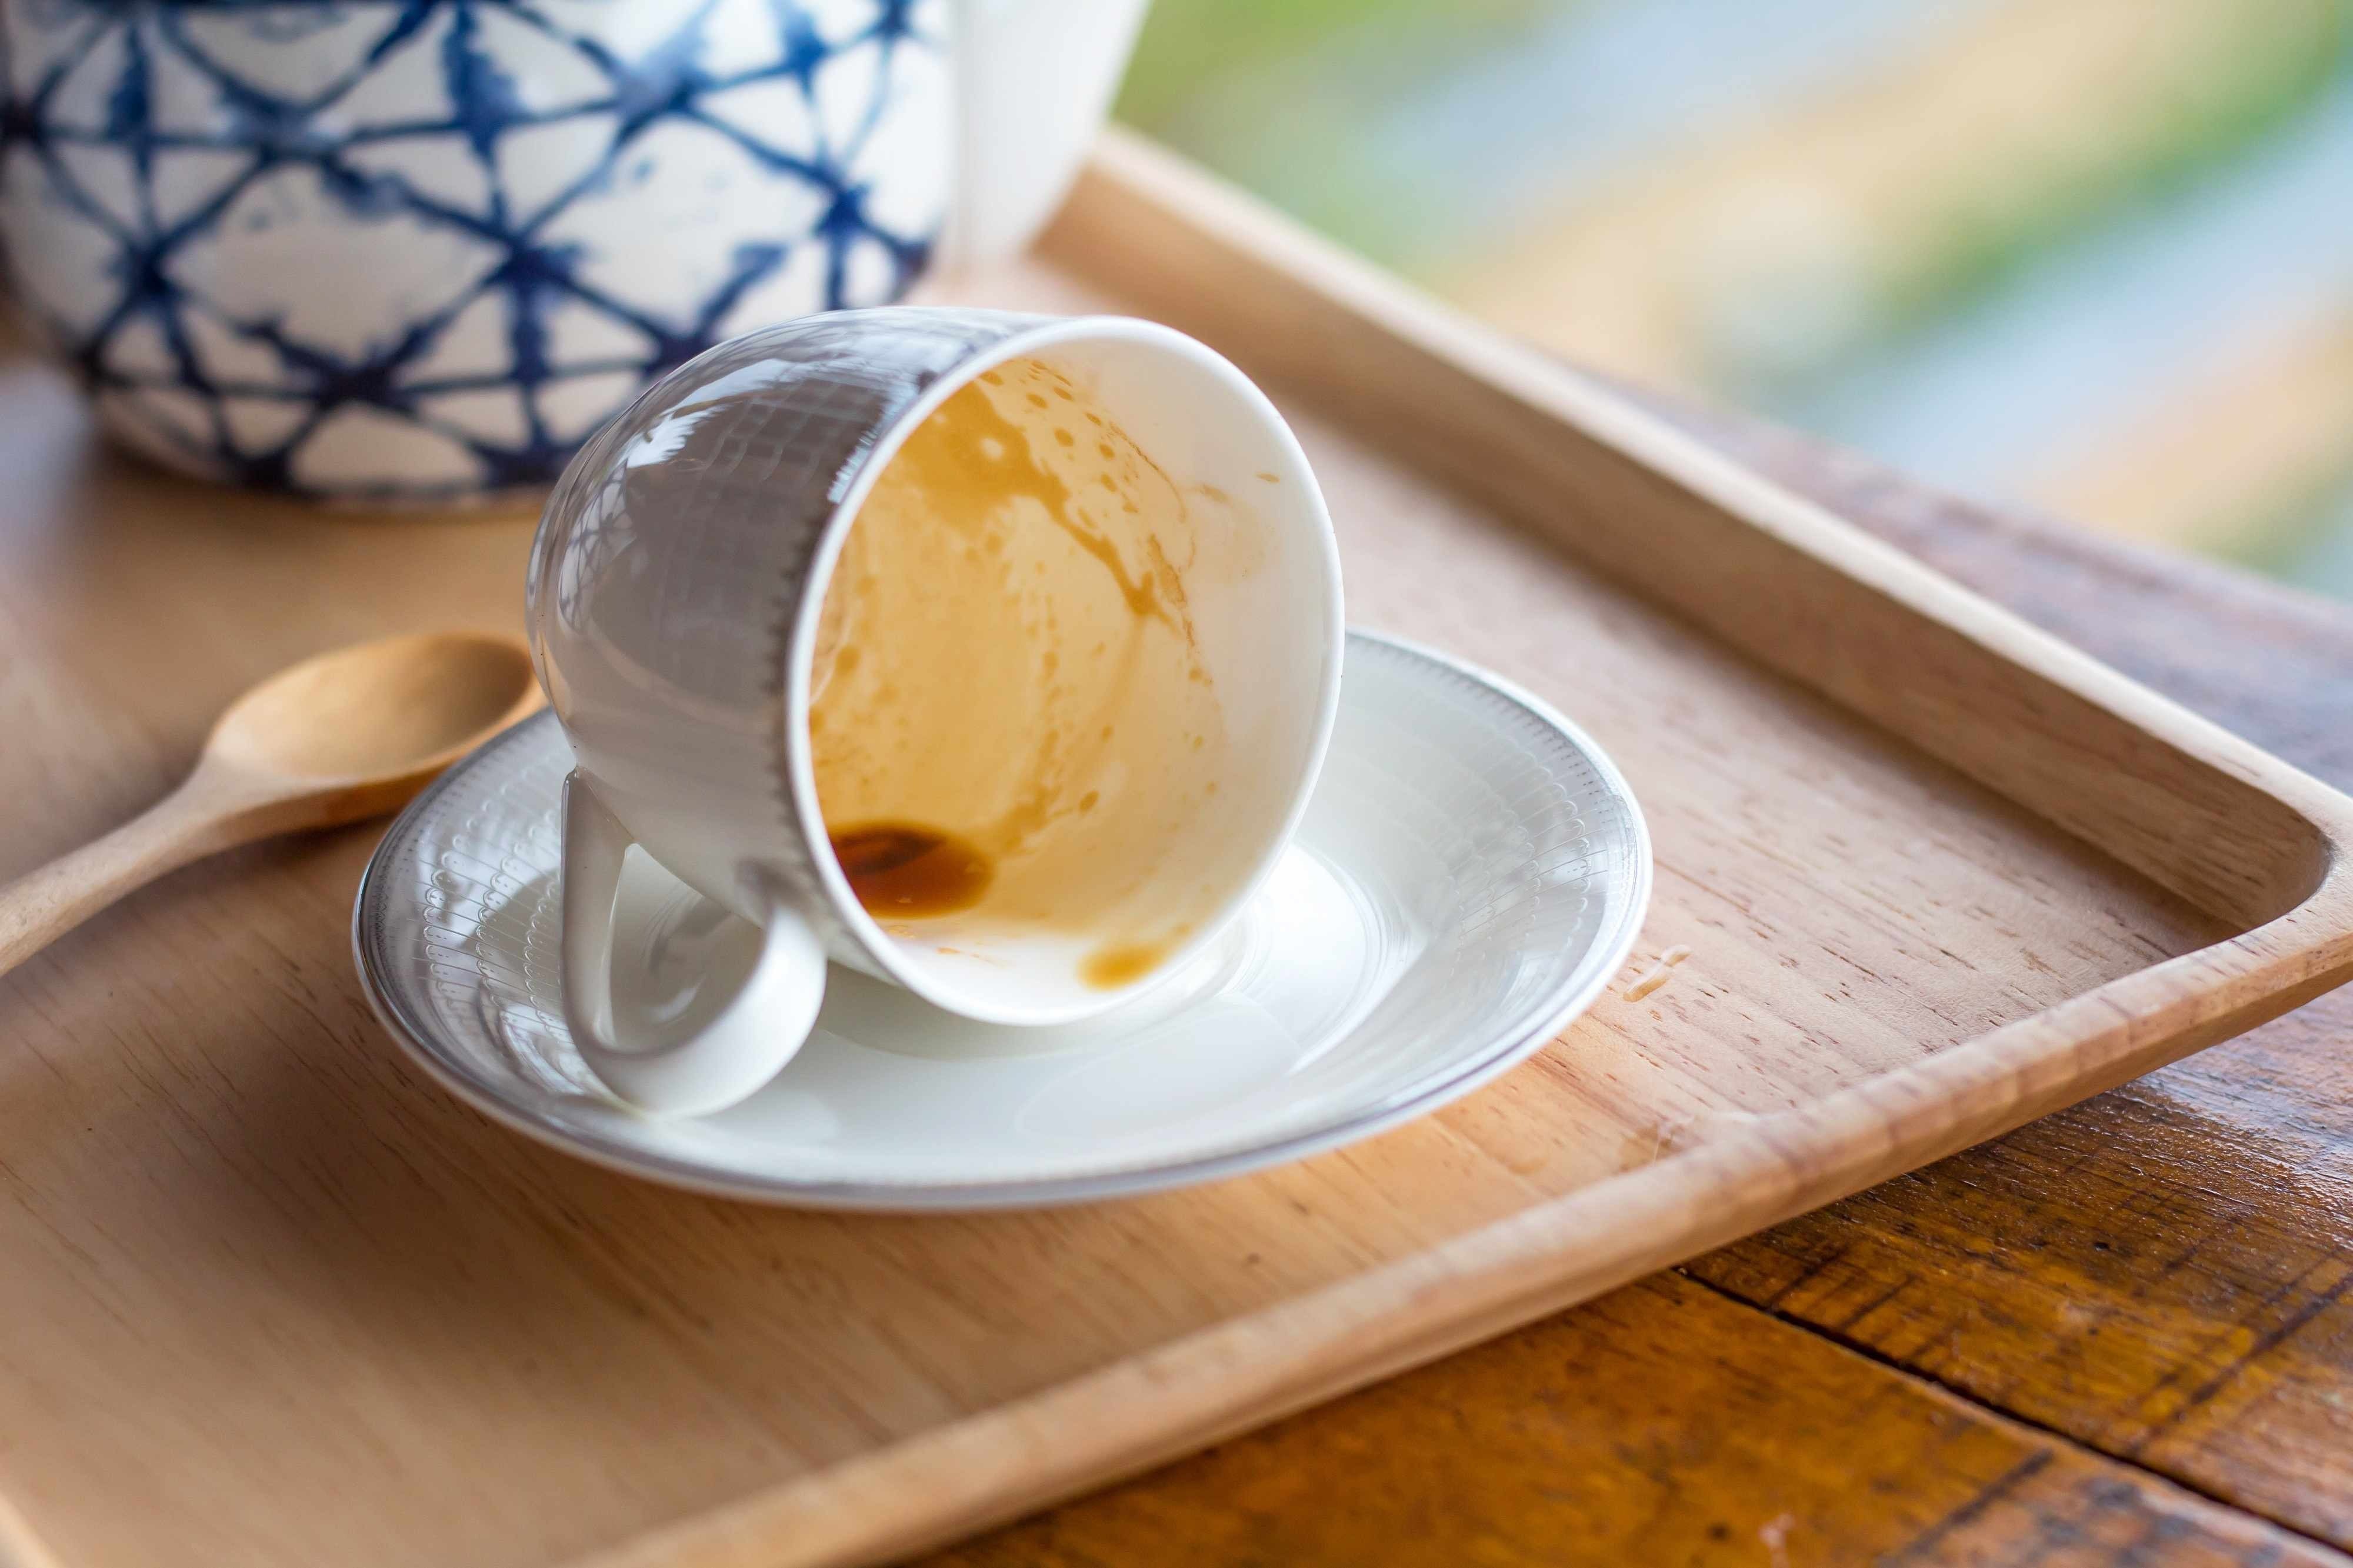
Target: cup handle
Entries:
(755, 1034)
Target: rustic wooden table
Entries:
(2121, 1334)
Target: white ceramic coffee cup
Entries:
(674, 603)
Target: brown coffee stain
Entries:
(973, 451)
(1005, 657)
(904, 871)
(1119, 964)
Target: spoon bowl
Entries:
(340, 737)
(378, 709)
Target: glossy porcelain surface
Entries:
(1470, 873)
(417, 249)
(675, 586)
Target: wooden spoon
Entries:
(346, 735)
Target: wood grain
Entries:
(1660, 1424)
(2173, 1282)
(322, 1311)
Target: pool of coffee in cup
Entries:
(1011, 723)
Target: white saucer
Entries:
(1471, 873)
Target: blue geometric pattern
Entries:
(422, 248)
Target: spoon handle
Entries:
(41, 906)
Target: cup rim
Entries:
(800, 658)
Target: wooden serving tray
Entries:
(270, 1297)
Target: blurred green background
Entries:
(2094, 256)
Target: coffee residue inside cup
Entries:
(1011, 720)
(907, 872)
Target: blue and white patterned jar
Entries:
(420, 249)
